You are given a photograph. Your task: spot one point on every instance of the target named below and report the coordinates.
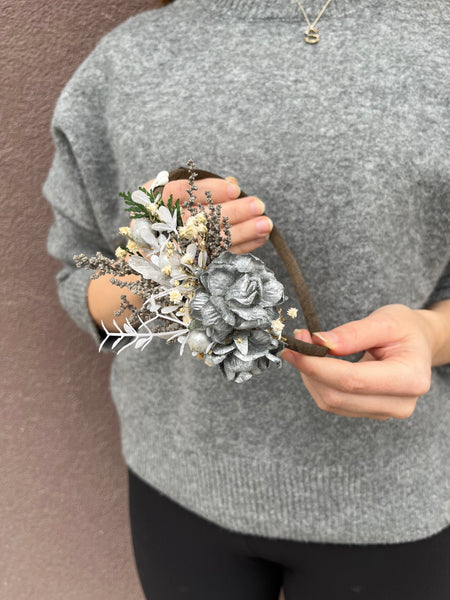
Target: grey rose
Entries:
(249, 353)
(237, 292)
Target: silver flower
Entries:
(233, 306)
(249, 353)
(237, 292)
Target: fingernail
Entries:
(257, 207)
(329, 338)
(264, 225)
(232, 179)
(233, 190)
(300, 335)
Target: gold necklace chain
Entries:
(312, 34)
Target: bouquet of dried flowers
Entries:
(224, 306)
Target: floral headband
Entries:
(224, 306)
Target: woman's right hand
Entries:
(249, 228)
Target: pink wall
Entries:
(64, 529)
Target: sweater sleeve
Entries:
(69, 235)
(75, 177)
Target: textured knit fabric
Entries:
(347, 143)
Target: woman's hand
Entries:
(249, 229)
(401, 346)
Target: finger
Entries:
(359, 406)
(314, 389)
(251, 230)
(303, 335)
(377, 330)
(319, 395)
(389, 377)
(148, 184)
(248, 246)
(222, 191)
(372, 407)
(243, 209)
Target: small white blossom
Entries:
(192, 221)
(132, 246)
(121, 252)
(151, 208)
(292, 312)
(168, 221)
(125, 231)
(175, 296)
(139, 196)
(277, 326)
(142, 233)
(161, 179)
(188, 258)
(167, 270)
(189, 232)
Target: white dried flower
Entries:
(152, 209)
(168, 221)
(167, 270)
(161, 179)
(277, 326)
(175, 296)
(121, 252)
(139, 196)
(292, 312)
(192, 221)
(132, 246)
(125, 231)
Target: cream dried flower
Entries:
(277, 326)
(121, 252)
(175, 296)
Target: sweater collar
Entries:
(278, 9)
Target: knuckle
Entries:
(332, 402)
(176, 188)
(406, 410)
(422, 384)
(389, 324)
(240, 210)
(351, 384)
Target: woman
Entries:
(341, 485)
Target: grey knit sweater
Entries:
(347, 142)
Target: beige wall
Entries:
(64, 529)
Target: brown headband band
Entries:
(292, 268)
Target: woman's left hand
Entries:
(388, 380)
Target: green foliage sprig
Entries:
(137, 209)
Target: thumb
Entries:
(355, 336)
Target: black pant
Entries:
(181, 555)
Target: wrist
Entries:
(436, 321)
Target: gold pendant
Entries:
(312, 36)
